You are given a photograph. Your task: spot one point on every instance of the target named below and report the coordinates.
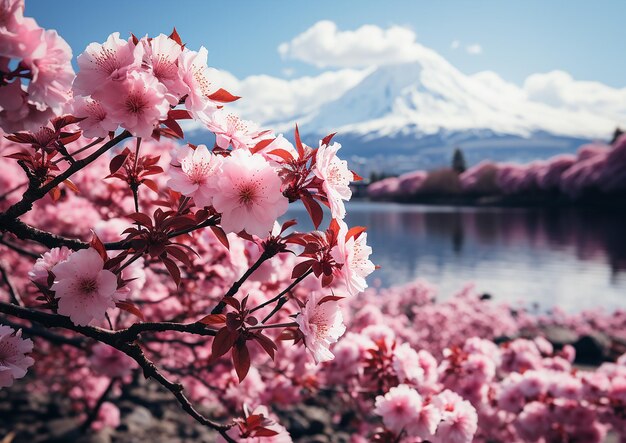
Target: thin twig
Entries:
(289, 288)
(93, 414)
(16, 299)
(265, 255)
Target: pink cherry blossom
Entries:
(426, 422)
(249, 194)
(13, 361)
(108, 417)
(84, 289)
(161, 55)
(399, 407)
(97, 122)
(406, 363)
(321, 325)
(137, 103)
(108, 361)
(459, 419)
(193, 173)
(230, 129)
(336, 178)
(52, 73)
(353, 254)
(44, 264)
(282, 435)
(101, 63)
(196, 75)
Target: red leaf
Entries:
(355, 232)
(301, 268)
(130, 308)
(356, 177)
(288, 334)
(179, 114)
(213, 319)
(266, 343)
(151, 185)
(232, 301)
(264, 432)
(288, 224)
(179, 255)
(55, 193)
(329, 298)
(175, 127)
(221, 236)
(262, 145)
(67, 139)
(223, 96)
(117, 162)
(140, 218)
(71, 185)
(172, 268)
(174, 36)
(313, 208)
(285, 155)
(97, 244)
(19, 156)
(327, 279)
(299, 146)
(241, 360)
(223, 341)
(21, 137)
(326, 140)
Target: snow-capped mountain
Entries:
(418, 112)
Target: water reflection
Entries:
(567, 258)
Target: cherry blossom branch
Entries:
(275, 325)
(84, 148)
(39, 331)
(17, 249)
(131, 349)
(56, 321)
(150, 370)
(134, 186)
(132, 332)
(33, 193)
(27, 232)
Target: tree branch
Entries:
(117, 340)
(33, 193)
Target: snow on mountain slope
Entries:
(429, 106)
(431, 95)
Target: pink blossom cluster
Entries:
(35, 70)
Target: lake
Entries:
(568, 258)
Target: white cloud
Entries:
(455, 44)
(560, 90)
(324, 45)
(474, 49)
(273, 101)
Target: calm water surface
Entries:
(571, 259)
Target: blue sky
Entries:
(518, 38)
